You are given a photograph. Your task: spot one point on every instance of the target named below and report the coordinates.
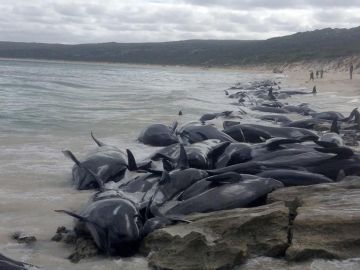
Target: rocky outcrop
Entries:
(326, 221)
(220, 240)
(299, 223)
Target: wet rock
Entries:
(220, 240)
(62, 229)
(20, 237)
(84, 248)
(61, 233)
(70, 238)
(57, 237)
(326, 220)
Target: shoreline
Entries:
(336, 65)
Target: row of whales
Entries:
(201, 168)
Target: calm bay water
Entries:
(49, 106)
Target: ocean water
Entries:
(46, 107)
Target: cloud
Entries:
(85, 21)
(274, 4)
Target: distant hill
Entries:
(320, 44)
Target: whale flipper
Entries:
(334, 127)
(71, 156)
(96, 140)
(183, 162)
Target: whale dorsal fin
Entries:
(132, 166)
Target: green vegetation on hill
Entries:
(319, 44)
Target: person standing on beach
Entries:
(311, 75)
(321, 73)
(317, 74)
(351, 71)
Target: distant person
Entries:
(180, 112)
(311, 75)
(314, 91)
(351, 71)
(317, 74)
(321, 73)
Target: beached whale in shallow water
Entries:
(101, 165)
(257, 133)
(209, 183)
(10, 264)
(305, 123)
(276, 118)
(113, 223)
(107, 163)
(193, 133)
(158, 135)
(200, 155)
(295, 177)
(174, 183)
(228, 196)
(303, 110)
(330, 115)
(269, 109)
(234, 153)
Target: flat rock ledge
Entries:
(220, 240)
(299, 223)
(326, 220)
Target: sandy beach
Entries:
(333, 81)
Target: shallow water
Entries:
(49, 106)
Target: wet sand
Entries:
(332, 81)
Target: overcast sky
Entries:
(88, 21)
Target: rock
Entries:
(62, 229)
(57, 237)
(220, 240)
(326, 222)
(70, 238)
(20, 237)
(84, 248)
